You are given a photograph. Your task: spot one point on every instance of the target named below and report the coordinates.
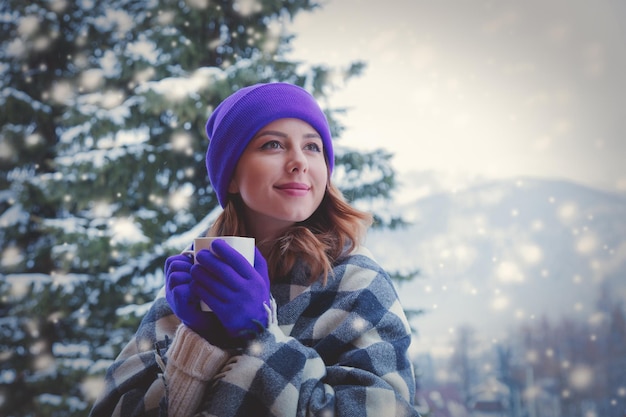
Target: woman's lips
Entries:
(294, 188)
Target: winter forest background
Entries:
(514, 287)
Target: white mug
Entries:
(243, 245)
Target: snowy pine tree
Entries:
(102, 175)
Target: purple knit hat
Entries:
(240, 116)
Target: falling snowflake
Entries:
(180, 199)
(92, 387)
(11, 256)
(359, 324)
(581, 377)
(181, 142)
(125, 230)
(509, 272)
(247, 7)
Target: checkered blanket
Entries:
(338, 349)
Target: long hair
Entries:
(332, 231)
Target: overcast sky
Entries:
(494, 88)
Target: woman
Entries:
(313, 328)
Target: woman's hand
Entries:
(236, 291)
(182, 300)
(185, 303)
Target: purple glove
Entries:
(185, 303)
(235, 290)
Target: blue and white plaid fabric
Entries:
(338, 349)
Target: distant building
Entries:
(490, 399)
(442, 401)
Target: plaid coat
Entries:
(338, 349)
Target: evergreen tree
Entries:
(102, 170)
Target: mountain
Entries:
(495, 254)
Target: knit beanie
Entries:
(240, 116)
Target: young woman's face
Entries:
(281, 176)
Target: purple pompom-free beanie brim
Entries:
(240, 116)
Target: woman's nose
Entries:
(297, 161)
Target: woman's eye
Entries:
(313, 147)
(272, 144)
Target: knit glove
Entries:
(236, 291)
(185, 303)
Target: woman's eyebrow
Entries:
(284, 135)
(270, 132)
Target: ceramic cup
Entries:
(243, 245)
